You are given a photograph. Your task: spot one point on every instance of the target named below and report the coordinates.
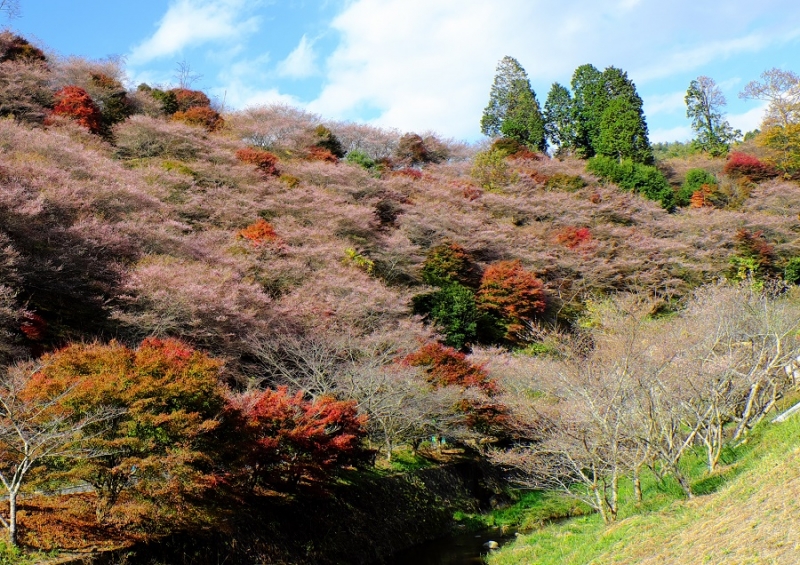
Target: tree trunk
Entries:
(637, 483)
(12, 518)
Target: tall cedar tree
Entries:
(513, 110)
(589, 103)
(623, 129)
(608, 116)
(704, 103)
(558, 119)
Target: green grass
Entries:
(744, 514)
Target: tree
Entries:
(10, 8)
(510, 296)
(161, 448)
(513, 110)
(286, 438)
(589, 102)
(558, 119)
(74, 102)
(704, 103)
(623, 132)
(782, 90)
(33, 432)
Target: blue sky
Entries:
(427, 65)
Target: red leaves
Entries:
(74, 102)
(701, 198)
(742, 164)
(187, 99)
(511, 294)
(200, 116)
(445, 366)
(264, 160)
(33, 326)
(316, 153)
(289, 438)
(258, 233)
(573, 237)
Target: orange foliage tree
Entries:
(287, 439)
(74, 102)
(264, 160)
(444, 366)
(258, 232)
(510, 296)
(160, 448)
(200, 116)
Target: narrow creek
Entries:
(457, 549)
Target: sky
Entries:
(427, 65)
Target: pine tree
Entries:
(558, 119)
(513, 110)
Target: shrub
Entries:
(25, 91)
(573, 237)
(316, 153)
(791, 273)
(635, 177)
(408, 172)
(289, 439)
(510, 296)
(452, 310)
(141, 137)
(783, 144)
(444, 366)
(695, 179)
(702, 197)
(111, 98)
(360, 158)
(742, 164)
(200, 116)
(490, 170)
(449, 262)
(258, 233)
(73, 102)
(18, 49)
(186, 99)
(567, 183)
(264, 160)
(411, 150)
(353, 257)
(328, 141)
(754, 257)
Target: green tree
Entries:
(623, 131)
(559, 125)
(513, 110)
(589, 102)
(704, 103)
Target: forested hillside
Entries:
(200, 308)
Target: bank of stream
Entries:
(461, 548)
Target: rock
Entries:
(491, 545)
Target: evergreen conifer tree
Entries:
(513, 110)
(558, 119)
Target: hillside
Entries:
(749, 520)
(204, 310)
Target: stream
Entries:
(456, 549)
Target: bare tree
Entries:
(33, 432)
(184, 75)
(781, 89)
(11, 8)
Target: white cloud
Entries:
(680, 133)
(189, 23)
(748, 121)
(671, 103)
(421, 65)
(301, 62)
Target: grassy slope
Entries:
(750, 520)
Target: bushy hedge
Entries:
(635, 177)
(695, 179)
